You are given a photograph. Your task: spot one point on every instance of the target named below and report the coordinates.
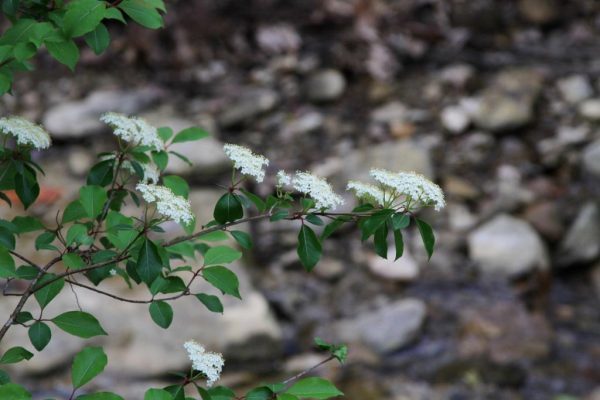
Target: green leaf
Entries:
(177, 184)
(4, 378)
(47, 293)
(221, 255)
(315, 220)
(259, 393)
(157, 394)
(26, 187)
(27, 224)
(114, 13)
(400, 221)
(286, 396)
(333, 226)
(77, 234)
(161, 159)
(21, 31)
(216, 236)
(176, 391)
(211, 302)
(15, 355)
(44, 240)
(149, 264)
(142, 12)
(79, 323)
(24, 51)
(73, 212)
(242, 238)
(83, 16)
(380, 241)
(427, 236)
(65, 52)
(101, 174)
(258, 202)
(12, 391)
(314, 388)
(100, 396)
(190, 134)
(370, 224)
(88, 364)
(221, 393)
(161, 313)
(98, 39)
(73, 261)
(228, 208)
(7, 264)
(223, 279)
(339, 351)
(399, 243)
(23, 316)
(165, 133)
(92, 199)
(39, 334)
(309, 248)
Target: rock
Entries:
(303, 124)
(386, 329)
(325, 85)
(457, 75)
(575, 89)
(395, 113)
(80, 161)
(459, 217)
(545, 218)
(504, 332)
(132, 332)
(591, 158)
(508, 103)
(461, 188)
(596, 280)
(455, 119)
(400, 155)
(539, 11)
(80, 118)
(206, 155)
(582, 241)
(275, 39)
(507, 246)
(404, 269)
(251, 104)
(590, 109)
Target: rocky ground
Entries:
(498, 101)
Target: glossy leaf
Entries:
(221, 255)
(15, 355)
(161, 313)
(79, 323)
(149, 264)
(213, 303)
(98, 39)
(39, 334)
(83, 16)
(92, 198)
(223, 279)
(88, 364)
(427, 236)
(7, 264)
(242, 238)
(228, 208)
(65, 52)
(48, 292)
(190, 134)
(309, 248)
(314, 388)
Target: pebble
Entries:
(581, 244)
(507, 246)
(591, 158)
(325, 85)
(455, 119)
(575, 88)
(590, 109)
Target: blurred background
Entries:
(497, 101)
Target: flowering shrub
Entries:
(95, 238)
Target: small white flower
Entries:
(415, 187)
(25, 132)
(133, 130)
(367, 192)
(112, 272)
(283, 179)
(318, 189)
(168, 204)
(246, 161)
(210, 364)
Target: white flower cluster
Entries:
(416, 188)
(133, 130)
(25, 132)
(210, 364)
(368, 192)
(318, 189)
(246, 161)
(168, 204)
(283, 179)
